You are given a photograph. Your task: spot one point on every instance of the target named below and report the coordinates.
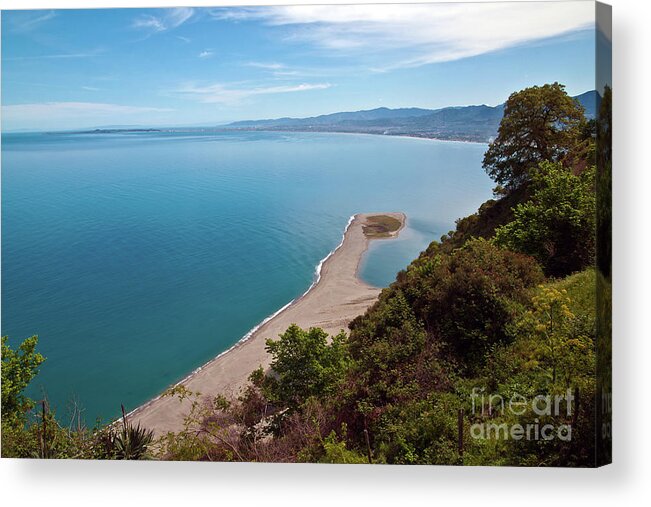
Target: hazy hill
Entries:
(381, 113)
(470, 123)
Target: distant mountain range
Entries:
(467, 123)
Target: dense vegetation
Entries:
(540, 124)
(482, 352)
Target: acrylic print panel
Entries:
(335, 234)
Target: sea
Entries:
(136, 257)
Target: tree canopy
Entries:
(557, 225)
(19, 367)
(540, 123)
(304, 364)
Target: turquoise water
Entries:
(138, 257)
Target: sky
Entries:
(69, 69)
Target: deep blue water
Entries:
(138, 257)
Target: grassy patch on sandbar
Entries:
(381, 226)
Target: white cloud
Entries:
(206, 53)
(282, 71)
(44, 108)
(288, 73)
(24, 21)
(422, 33)
(149, 22)
(176, 17)
(61, 56)
(170, 19)
(58, 115)
(228, 94)
(266, 66)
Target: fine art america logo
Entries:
(542, 406)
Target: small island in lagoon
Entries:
(382, 226)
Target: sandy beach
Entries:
(337, 298)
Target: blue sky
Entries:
(66, 69)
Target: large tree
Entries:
(540, 123)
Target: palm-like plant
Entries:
(129, 442)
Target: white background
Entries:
(627, 481)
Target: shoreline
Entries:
(256, 328)
(340, 296)
(223, 129)
(374, 134)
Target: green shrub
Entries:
(19, 367)
(557, 225)
(303, 365)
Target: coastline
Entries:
(375, 134)
(190, 130)
(336, 296)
